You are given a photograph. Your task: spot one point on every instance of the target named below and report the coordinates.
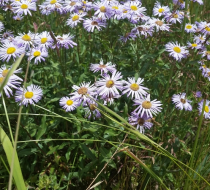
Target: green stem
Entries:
(5, 109)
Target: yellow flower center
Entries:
(43, 40)
(109, 83)
(29, 95)
(75, 17)
(207, 28)
(176, 16)
(4, 72)
(134, 87)
(1, 80)
(24, 6)
(69, 102)
(188, 26)
(159, 23)
(134, 8)
(183, 101)
(194, 45)
(11, 50)
(146, 104)
(82, 90)
(92, 107)
(181, 1)
(177, 49)
(206, 109)
(84, 2)
(103, 9)
(160, 10)
(208, 74)
(115, 7)
(207, 52)
(26, 37)
(53, 2)
(37, 53)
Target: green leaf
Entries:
(42, 128)
(87, 151)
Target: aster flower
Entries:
(92, 23)
(198, 1)
(144, 30)
(75, 19)
(9, 49)
(190, 28)
(68, 103)
(65, 41)
(38, 53)
(4, 71)
(109, 99)
(117, 10)
(7, 35)
(109, 85)
(194, 45)
(83, 91)
(44, 40)
(50, 5)
(206, 109)
(159, 10)
(91, 110)
(104, 68)
(204, 27)
(206, 73)
(145, 105)
(175, 17)
(25, 39)
(159, 24)
(141, 122)
(181, 102)
(176, 50)
(134, 88)
(129, 35)
(18, 17)
(24, 7)
(134, 7)
(206, 53)
(180, 3)
(103, 10)
(71, 5)
(30, 95)
(200, 38)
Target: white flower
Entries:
(190, 28)
(92, 23)
(32, 94)
(75, 19)
(176, 50)
(109, 85)
(147, 106)
(206, 109)
(68, 103)
(159, 24)
(38, 54)
(159, 10)
(194, 45)
(65, 41)
(104, 68)
(24, 7)
(134, 88)
(181, 102)
(25, 39)
(44, 40)
(4, 71)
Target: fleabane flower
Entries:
(71, 5)
(145, 105)
(181, 102)
(83, 91)
(9, 49)
(176, 51)
(206, 109)
(175, 17)
(29, 95)
(104, 68)
(103, 10)
(159, 10)
(109, 85)
(144, 30)
(159, 24)
(91, 110)
(194, 45)
(24, 7)
(75, 19)
(204, 27)
(44, 40)
(38, 55)
(26, 39)
(134, 88)
(68, 103)
(134, 8)
(206, 53)
(190, 28)
(4, 71)
(65, 41)
(180, 3)
(141, 122)
(92, 23)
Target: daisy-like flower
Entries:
(83, 91)
(109, 85)
(159, 10)
(71, 5)
(144, 30)
(141, 122)
(4, 71)
(176, 50)
(44, 40)
(174, 17)
(206, 53)
(7, 34)
(50, 5)
(180, 3)
(109, 100)
(104, 68)
(200, 38)
(117, 10)
(103, 10)
(181, 102)
(145, 105)
(18, 17)
(134, 88)
(206, 73)
(204, 27)
(91, 110)
(65, 41)
(198, 1)
(194, 45)
(25, 39)
(75, 19)
(1, 26)
(206, 109)
(24, 7)
(190, 28)
(92, 23)
(39, 54)
(32, 94)
(159, 24)
(68, 103)
(9, 49)
(134, 8)
(129, 35)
